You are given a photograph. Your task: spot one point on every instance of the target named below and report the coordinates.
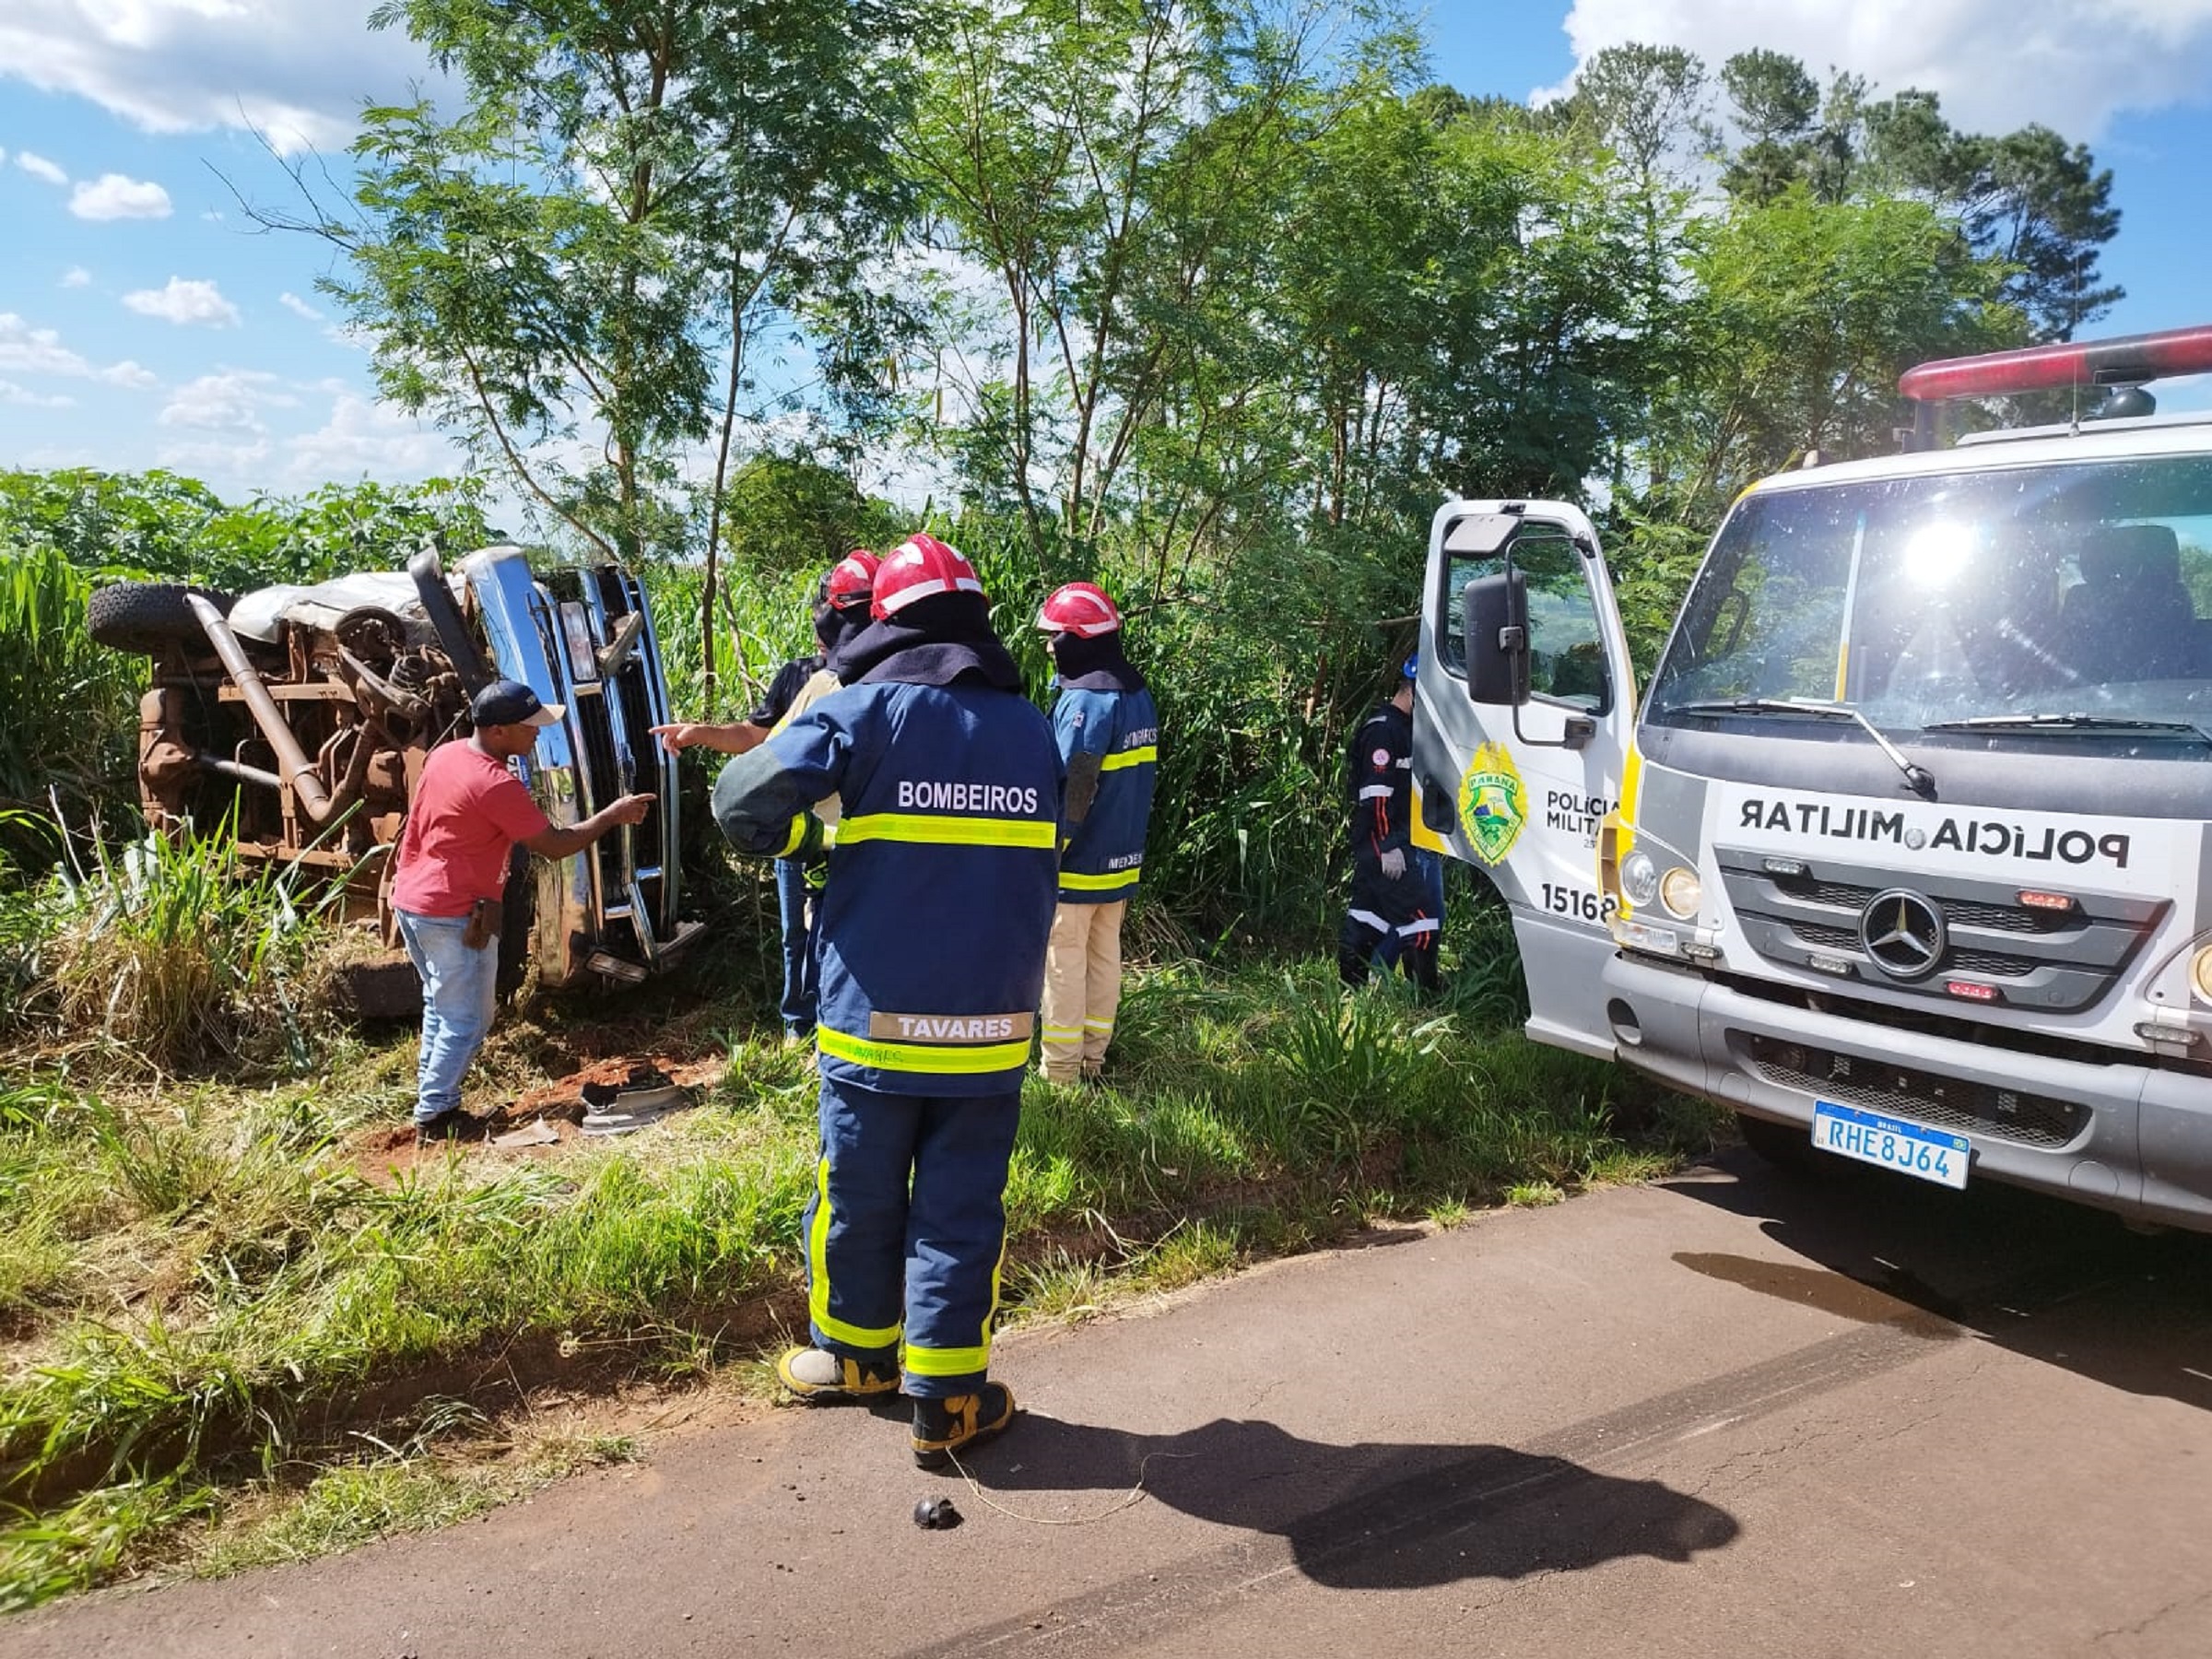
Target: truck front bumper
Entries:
(2123, 1135)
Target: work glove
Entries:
(1392, 862)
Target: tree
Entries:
(1107, 165)
(1808, 313)
(632, 192)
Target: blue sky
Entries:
(145, 322)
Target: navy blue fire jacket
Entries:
(1119, 732)
(941, 881)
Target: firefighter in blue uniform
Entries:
(933, 932)
(1109, 733)
(1394, 908)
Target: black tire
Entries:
(148, 616)
(1785, 1145)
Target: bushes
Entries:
(69, 708)
(163, 955)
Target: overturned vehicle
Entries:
(303, 715)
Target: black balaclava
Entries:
(941, 641)
(1095, 663)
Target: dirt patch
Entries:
(382, 1152)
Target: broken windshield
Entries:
(2084, 588)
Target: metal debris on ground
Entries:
(536, 1133)
(648, 1095)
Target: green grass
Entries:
(202, 1298)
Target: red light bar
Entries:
(2049, 902)
(2123, 362)
(1972, 992)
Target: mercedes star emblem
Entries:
(1903, 934)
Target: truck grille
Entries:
(2049, 960)
(1940, 1102)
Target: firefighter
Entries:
(1109, 732)
(1392, 904)
(840, 610)
(934, 924)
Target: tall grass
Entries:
(163, 953)
(68, 708)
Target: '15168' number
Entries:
(1579, 902)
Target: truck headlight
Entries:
(1638, 878)
(2200, 971)
(1682, 893)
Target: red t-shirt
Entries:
(468, 813)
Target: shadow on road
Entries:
(1372, 1516)
(2052, 1281)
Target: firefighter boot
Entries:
(820, 1377)
(944, 1427)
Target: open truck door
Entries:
(1521, 734)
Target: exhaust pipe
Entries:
(297, 768)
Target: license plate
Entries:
(1891, 1143)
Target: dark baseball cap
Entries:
(510, 703)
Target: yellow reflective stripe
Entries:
(948, 1362)
(1062, 1033)
(922, 1057)
(828, 835)
(1106, 883)
(797, 839)
(940, 829)
(1136, 757)
(817, 1290)
(961, 1362)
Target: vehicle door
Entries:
(1518, 789)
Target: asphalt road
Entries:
(1731, 1415)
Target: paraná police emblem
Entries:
(1493, 803)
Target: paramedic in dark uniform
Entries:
(841, 609)
(1109, 733)
(1393, 905)
(934, 924)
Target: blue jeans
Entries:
(799, 958)
(459, 990)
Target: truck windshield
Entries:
(1995, 596)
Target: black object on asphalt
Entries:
(935, 1514)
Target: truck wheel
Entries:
(148, 616)
(1785, 1146)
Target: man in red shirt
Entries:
(469, 811)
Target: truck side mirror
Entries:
(1496, 608)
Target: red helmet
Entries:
(852, 580)
(919, 568)
(1080, 608)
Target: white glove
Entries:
(1392, 862)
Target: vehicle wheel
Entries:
(148, 616)
(1785, 1145)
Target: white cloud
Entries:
(115, 196)
(232, 466)
(24, 397)
(298, 70)
(1997, 64)
(76, 276)
(298, 307)
(365, 439)
(28, 351)
(186, 301)
(38, 167)
(228, 402)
